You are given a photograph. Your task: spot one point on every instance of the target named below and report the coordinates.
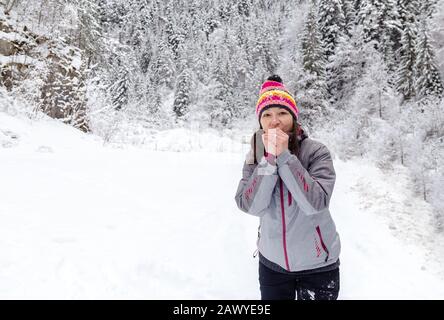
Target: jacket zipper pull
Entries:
(257, 241)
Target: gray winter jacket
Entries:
(292, 199)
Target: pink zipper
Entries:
(283, 224)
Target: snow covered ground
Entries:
(83, 220)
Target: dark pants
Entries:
(280, 286)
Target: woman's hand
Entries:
(275, 141)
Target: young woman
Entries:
(288, 181)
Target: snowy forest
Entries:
(367, 75)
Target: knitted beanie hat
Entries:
(274, 94)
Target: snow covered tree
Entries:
(406, 71)
(346, 68)
(381, 26)
(367, 118)
(182, 94)
(313, 93)
(349, 15)
(175, 34)
(312, 49)
(390, 33)
(210, 22)
(370, 18)
(379, 95)
(119, 89)
(226, 10)
(223, 109)
(90, 33)
(428, 79)
(332, 23)
(265, 46)
(428, 8)
(155, 116)
(163, 68)
(244, 7)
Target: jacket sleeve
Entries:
(312, 188)
(256, 187)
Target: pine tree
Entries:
(175, 34)
(313, 56)
(120, 89)
(357, 5)
(345, 68)
(223, 107)
(349, 15)
(428, 79)
(153, 107)
(312, 50)
(116, 12)
(103, 8)
(380, 26)
(311, 88)
(265, 46)
(390, 33)
(182, 94)
(331, 23)
(90, 33)
(226, 11)
(163, 69)
(210, 22)
(406, 74)
(428, 8)
(405, 82)
(244, 7)
(368, 113)
(370, 17)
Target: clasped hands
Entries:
(275, 141)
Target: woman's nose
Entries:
(274, 120)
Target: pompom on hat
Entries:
(274, 94)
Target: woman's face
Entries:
(276, 117)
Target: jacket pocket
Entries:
(324, 247)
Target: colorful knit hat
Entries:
(274, 94)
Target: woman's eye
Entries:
(284, 112)
(266, 115)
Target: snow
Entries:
(11, 36)
(189, 139)
(80, 219)
(74, 54)
(77, 62)
(375, 264)
(20, 59)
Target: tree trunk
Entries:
(424, 189)
(402, 155)
(401, 149)
(40, 12)
(380, 104)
